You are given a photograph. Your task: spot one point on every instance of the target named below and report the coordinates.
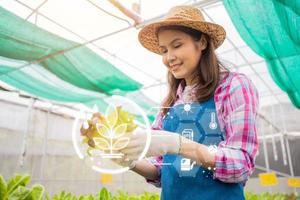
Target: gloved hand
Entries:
(162, 142)
(86, 129)
(124, 162)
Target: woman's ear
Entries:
(203, 42)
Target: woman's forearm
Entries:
(197, 152)
(146, 169)
(189, 149)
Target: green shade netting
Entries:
(68, 60)
(272, 30)
(38, 81)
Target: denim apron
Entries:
(183, 179)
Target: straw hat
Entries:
(184, 16)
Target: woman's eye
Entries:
(177, 46)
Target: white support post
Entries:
(290, 159)
(26, 133)
(45, 143)
(274, 149)
(266, 155)
(273, 138)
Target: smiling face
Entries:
(181, 53)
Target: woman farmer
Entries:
(204, 140)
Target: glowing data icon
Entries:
(186, 165)
(188, 133)
(213, 124)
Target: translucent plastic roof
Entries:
(115, 38)
(86, 20)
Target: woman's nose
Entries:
(171, 57)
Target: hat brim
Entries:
(148, 35)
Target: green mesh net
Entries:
(48, 66)
(271, 29)
(68, 60)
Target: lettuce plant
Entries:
(15, 189)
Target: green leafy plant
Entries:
(64, 196)
(269, 196)
(3, 188)
(108, 132)
(16, 189)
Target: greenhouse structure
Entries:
(62, 61)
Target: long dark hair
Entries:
(208, 70)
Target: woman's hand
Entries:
(124, 162)
(162, 142)
(86, 129)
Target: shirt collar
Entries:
(180, 89)
(182, 84)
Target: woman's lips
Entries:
(175, 67)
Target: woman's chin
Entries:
(178, 75)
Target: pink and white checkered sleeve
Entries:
(234, 160)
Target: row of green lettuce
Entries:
(271, 196)
(17, 188)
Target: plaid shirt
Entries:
(236, 100)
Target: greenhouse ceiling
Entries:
(106, 31)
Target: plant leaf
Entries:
(120, 130)
(103, 131)
(101, 143)
(16, 181)
(121, 143)
(125, 117)
(37, 192)
(85, 140)
(104, 194)
(111, 115)
(20, 193)
(3, 188)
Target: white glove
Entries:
(124, 162)
(162, 142)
